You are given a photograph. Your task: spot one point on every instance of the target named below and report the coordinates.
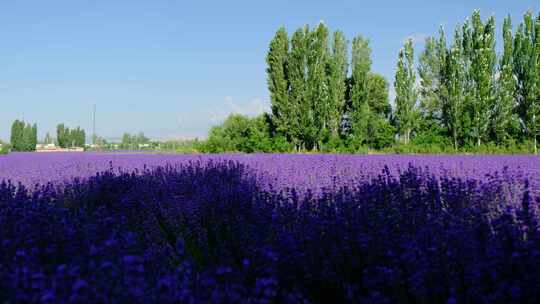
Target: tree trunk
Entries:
(407, 136)
(535, 145)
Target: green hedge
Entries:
(4, 149)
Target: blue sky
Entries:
(174, 68)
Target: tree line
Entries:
(467, 92)
(316, 101)
(23, 136)
(460, 95)
(69, 138)
(245, 134)
(134, 141)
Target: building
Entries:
(54, 148)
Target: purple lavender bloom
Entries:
(106, 228)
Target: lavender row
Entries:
(278, 172)
(207, 231)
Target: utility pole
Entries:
(94, 126)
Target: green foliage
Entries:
(526, 67)
(183, 146)
(467, 98)
(17, 131)
(316, 127)
(505, 122)
(69, 138)
(23, 136)
(359, 110)
(337, 83)
(4, 148)
(61, 136)
(281, 145)
(278, 82)
(479, 40)
(243, 134)
(453, 90)
(299, 104)
(259, 139)
(429, 71)
(135, 142)
(480, 99)
(406, 116)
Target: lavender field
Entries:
(272, 171)
(269, 228)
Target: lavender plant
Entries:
(221, 229)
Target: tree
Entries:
(4, 148)
(300, 106)
(48, 139)
(98, 140)
(23, 136)
(68, 138)
(406, 96)
(127, 141)
(28, 133)
(379, 132)
(359, 107)
(78, 137)
(17, 131)
(34, 139)
(429, 71)
(452, 89)
(239, 133)
(259, 138)
(317, 90)
(526, 66)
(377, 95)
(482, 58)
(217, 142)
(337, 82)
(504, 122)
(141, 139)
(61, 136)
(278, 82)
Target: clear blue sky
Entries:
(174, 68)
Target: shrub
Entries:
(4, 148)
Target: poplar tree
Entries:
(337, 78)
(505, 121)
(429, 71)
(28, 138)
(317, 90)
(467, 47)
(278, 84)
(452, 88)
(379, 131)
(16, 140)
(299, 104)
(406, 96)
(359, 108)
(482, 71)
(526, 66)
(34, 139)
(61, 136)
